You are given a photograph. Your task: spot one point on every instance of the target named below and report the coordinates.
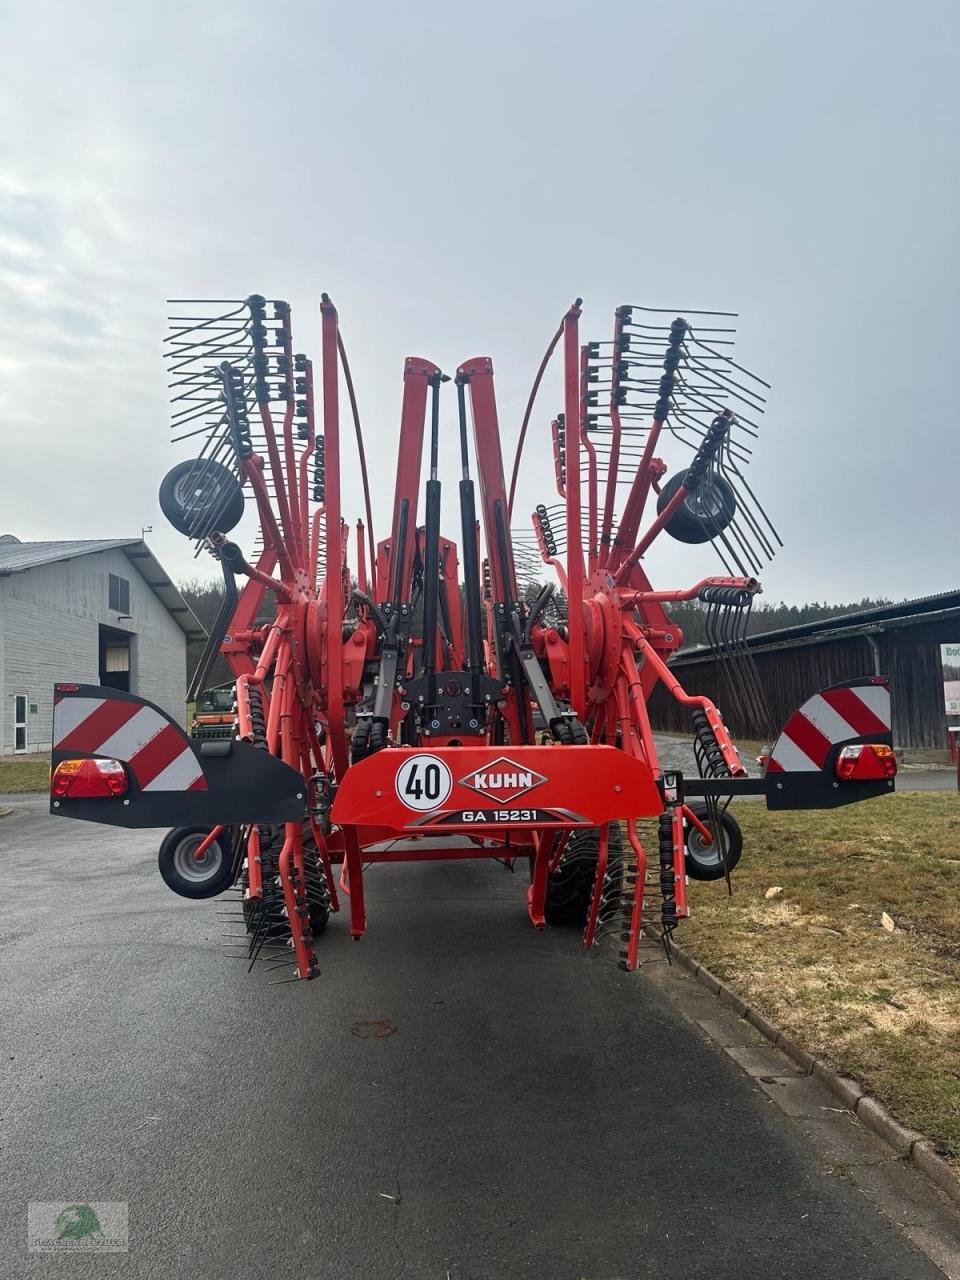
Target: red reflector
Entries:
(867, 760)
(88, 779)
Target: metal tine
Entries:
(196, 400)
(751, 676)
(758, 505)
(752, 509)
(665, 328)
(717, 378)
(207, 302)
(751, 566)
(723, 391)
(193, 389)
(748, 549)
(681, 311)
(743, 510)
(650, 340)
(720, 535)
(188, 435)
(692, 337)
(218, 324)
(215, 341)
(716, 406)
(208, 347)
(196, 376)
(689, 422)
(695, 351)
(201, 322)
(184, 420)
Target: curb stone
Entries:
(873, 1115)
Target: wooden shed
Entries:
(901, 641)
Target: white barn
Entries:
(94, 612)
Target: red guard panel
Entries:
(485, 789)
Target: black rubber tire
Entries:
(214, 874)
(199, 496)
(703, 862)
(570, 887)
(702, 514)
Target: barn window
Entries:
(119, 589)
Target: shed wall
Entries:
(49, 631)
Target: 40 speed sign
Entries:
(423, 782)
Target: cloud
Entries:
(453, 182)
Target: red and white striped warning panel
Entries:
(158, 752)
(828, 718)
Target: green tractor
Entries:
(214, 715)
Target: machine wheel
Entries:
(703, 861)
(199, 495)
(194, 877)
(704, 512)
(570, 887)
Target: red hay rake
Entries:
(438, 699)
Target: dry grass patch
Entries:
(881, 1006)
(24, 773)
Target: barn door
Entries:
(115, 659)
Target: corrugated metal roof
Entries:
(17, 557)
(20, 557)
(860, 621)
(863, 617)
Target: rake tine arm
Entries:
(590, 932)
(592, 516)
(575, 566)
(687, 593)
(613, 461)
(653, 660)
(634, 701)
(640, 489)
(333, 579)
(635, 922)
(305, 367)
(289, 540)
(559, 454)
(712, 442)
(548, 549)
(543, 843)
(253, 471)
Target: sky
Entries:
(453, 176)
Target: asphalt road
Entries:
(535, 1113)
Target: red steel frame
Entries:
(604, 663)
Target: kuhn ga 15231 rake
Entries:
(458, 700)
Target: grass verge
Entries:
(815, 957)
(24, 773)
